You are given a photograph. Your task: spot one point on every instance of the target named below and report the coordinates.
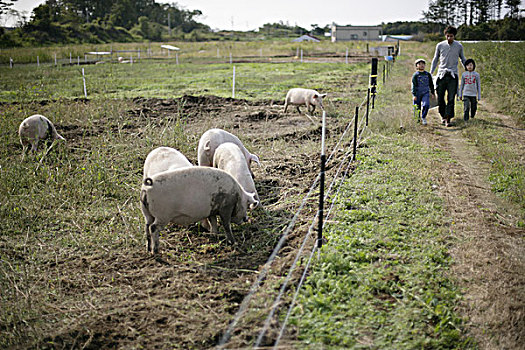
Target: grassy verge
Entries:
(507, 170)
(382, 280)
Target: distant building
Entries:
(349, 33)
(306, 37)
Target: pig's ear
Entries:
(207, 145)
(323, 95)
(254, 158)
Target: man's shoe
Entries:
(424, 121)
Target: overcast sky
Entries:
(249, 15)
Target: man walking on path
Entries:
(447, 53)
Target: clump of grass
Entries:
(507, 174)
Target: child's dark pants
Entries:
(470, 106)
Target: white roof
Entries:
(169, 47)
(305, 37)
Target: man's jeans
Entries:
(450, 85)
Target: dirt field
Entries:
(186, 297)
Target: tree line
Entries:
(471, 12)
(479, 19)
(99, 21)
(76, 21)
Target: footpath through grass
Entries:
(382, 280)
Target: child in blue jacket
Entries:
(422, 86)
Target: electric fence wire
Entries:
(244, 305)
(301, 281)
(255, 286)
(299, 252)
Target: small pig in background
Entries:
(307, 97)
(34, 129)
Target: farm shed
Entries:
(348, 33)
(306, 37)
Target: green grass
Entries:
(507, 172)
(164, 79)
(381, 281)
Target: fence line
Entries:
(356, 139)
(262, 275)
(226, 336)
(292, 268)
(193, 58)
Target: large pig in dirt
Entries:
(212, 138)
(187, 195)
(307, 97)
(163, 159)
(34, 129)
(229, 157)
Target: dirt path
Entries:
(490, 252)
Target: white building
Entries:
(348, 33)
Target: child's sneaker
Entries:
(424, 121)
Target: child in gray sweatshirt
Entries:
(470, 89)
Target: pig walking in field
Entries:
(187, 195)
(306, 97)
(34, 129)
